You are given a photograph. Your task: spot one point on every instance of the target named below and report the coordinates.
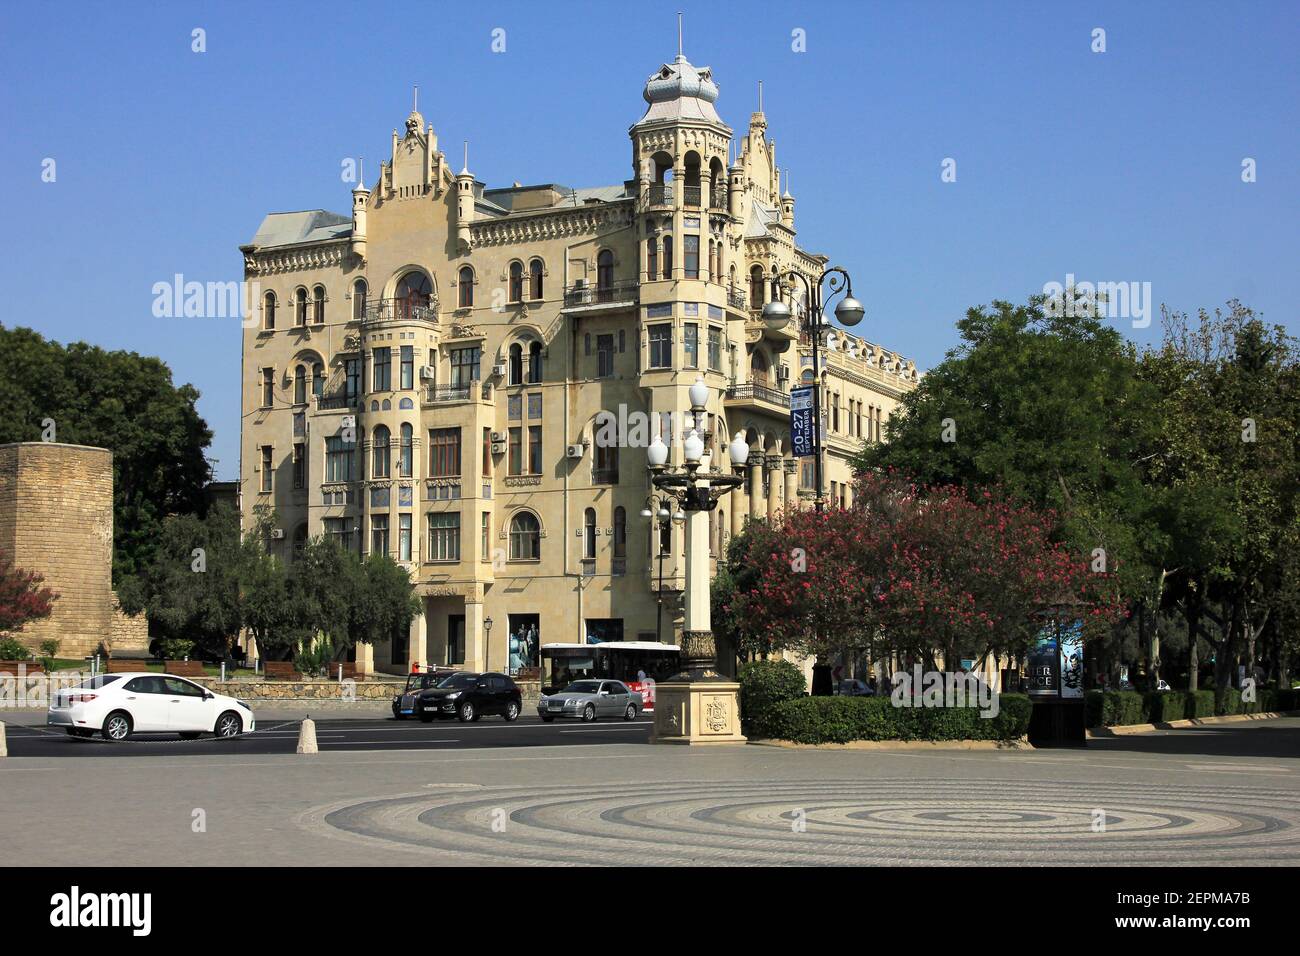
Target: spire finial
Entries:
(760, 96)
(679, 33)
(415, 99)
(465, 168)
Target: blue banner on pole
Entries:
(801, 424)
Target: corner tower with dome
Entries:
(423, 378)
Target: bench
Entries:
(184, 668)
(11, 667)
(280, 670)
(124, 666)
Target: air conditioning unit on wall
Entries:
(277, 533)
(499, 369)
(427, 373)
(575, 451)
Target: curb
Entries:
(1123, 730)
(1021, 743)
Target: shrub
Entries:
(12, 649)
(763, 685)
(1113, 708)
(817, 720)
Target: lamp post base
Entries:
(698, 706)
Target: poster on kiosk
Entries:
(1055, 662)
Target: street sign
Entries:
(801, 426)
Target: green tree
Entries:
(192, 585)
(121, 401)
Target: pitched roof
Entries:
(290, 228)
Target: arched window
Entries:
(414, 293)
(758, 368)
(668, 257)
(465, 287)
(516, 281)
(756, 287)
(620, 532)
(589, 535)
(268, 311)
(605, 270)
(359, 291)
(405, 457)
(652, 258)
(318, 379)
(535, 279)
(300, 307)
(318, 304)
(525, 537)
(379, 458)
(534, 363)
(516, 364)
(300, 385)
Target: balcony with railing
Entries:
(736, 297)
(409, 309)
(661, 194)
(718, 199)
(613, 293)
(692, 196)
(750, 392)
(325, 403)
(441, 394)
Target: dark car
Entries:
(404, 703)
(464, 695)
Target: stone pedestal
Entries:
(698, 706)
(697, 712)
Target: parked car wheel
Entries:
(466, 712)
(512, 711)
(630, 713)
(117, 726)
(229, 724)
(589, 713)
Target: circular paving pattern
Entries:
(830, 822)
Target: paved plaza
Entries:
(1228, 794)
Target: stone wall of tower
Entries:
(56, 517)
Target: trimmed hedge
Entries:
(763, 685)
(1116, 708)
(838, 720)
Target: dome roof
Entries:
(679, 90)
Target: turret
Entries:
(736, 190)
(360, 199)
(464, 203)
(787, 204)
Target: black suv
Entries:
(465, 695)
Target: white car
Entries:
(119, 705)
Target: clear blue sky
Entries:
(1120, 166)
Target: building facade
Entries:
(437, 376)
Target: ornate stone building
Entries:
(424, 377)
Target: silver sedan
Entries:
(589, 699)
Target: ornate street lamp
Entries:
(698, 705)
(777, 315)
